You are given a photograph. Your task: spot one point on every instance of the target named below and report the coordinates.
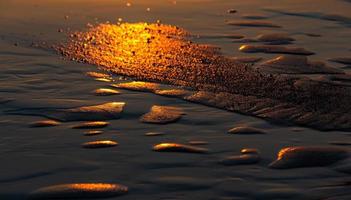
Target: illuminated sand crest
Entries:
(162, 115)
(99, 144)
(162, 53)
(100, 112)
(79, 191)
(175, 147)
(308, 156)
(106, 111)
(44, 123)
(94, 124)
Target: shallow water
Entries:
(35, 80)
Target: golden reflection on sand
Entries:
(99, 144)
(175, 147)
(94, 124)
(127, 45)
(283, 151)
(79, 191)
(162, 115)
(163, 53)
(152, 51)
(93, 186)
(166, 145)
(138, 86)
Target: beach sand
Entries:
(37, 83)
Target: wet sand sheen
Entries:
(33, 158)
(162, 53)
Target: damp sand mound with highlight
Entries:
(162, 53)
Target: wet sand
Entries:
(38, 84)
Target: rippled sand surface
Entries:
(208, 153)
(162, 53)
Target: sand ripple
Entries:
(162, 115)
(79, 191)
(246, 130)
(99, 144)
(274, 49)
(94, 124)
(44, 123)
(162, 53)
(292, 157)
(105, 111)
(174, 147)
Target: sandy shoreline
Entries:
(55, 155)
(35, 80)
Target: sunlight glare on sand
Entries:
(136, 48)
